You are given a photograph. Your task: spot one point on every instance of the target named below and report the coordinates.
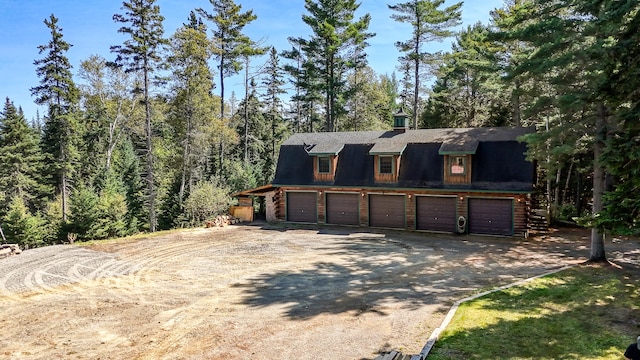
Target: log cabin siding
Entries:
(462, 198)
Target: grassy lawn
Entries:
(586, 312)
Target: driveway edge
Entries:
(436, 333)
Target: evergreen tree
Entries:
(273, 83)
(621, 153)
(21, 160)
(59, 93)
(511, 53)
(307, 86)
(252, 50)
(469, 91)
(21, 227)
(231, 45)
(329, 51)
(373, 105)
(428, 23)
(572, 41)
(141, 53)
(192, 106)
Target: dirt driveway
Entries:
(255, 292)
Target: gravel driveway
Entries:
(258, 292)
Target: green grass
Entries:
(586, 312)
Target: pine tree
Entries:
(192, 106)
(57, 91)
(21, 227)
(273, 83)
(329, 51)
(21, 160)
(306, 83)
(572, 41)
(231, 46)
(428, 23)
(141, 53)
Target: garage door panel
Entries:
(302, 207)
(386, 211)
(491, 216)
(436, 213)
(343, 209)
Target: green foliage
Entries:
(372, 106)
(208, 199)
(84, 212)
(21, 227)
(21, 161)
(429, 22)
(329, 53)
(58, 91)
(142, 53)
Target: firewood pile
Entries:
(222, 221)
(9, 249)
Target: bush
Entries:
(207, 200)
(21, 227)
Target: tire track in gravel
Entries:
(41, 270)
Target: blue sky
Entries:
(88, 26)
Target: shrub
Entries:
(208, 199)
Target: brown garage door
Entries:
(343, 209)
(436, 213)
(386, 211)
(491, 216)
(301, 207)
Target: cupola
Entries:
(400, 121)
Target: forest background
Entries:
(148, 138)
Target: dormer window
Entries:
(386, 164)
(387, 155)
(458, 153)
(457, 165)
(324, 164)
(325, 160)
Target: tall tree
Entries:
(336, 37)
(251, 50)
(306, 84)
(110, 105)
(573, 40)
(141, 53)
(429, 22)
(21, 160)
(373, 105)
(59, 93)
(231, 46)
(192, 106)
(273, 83)
(621, 155)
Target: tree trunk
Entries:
(597, 236)
(4, 239)
(516, 105)
(563, 198)
(63, 192)
(148, 134)
(221, 148)
(556, 193)
(246, 112)
(416, 92)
